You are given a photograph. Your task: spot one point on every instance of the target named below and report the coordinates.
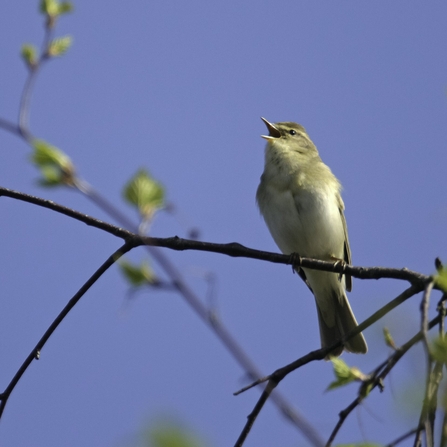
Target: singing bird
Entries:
(299, 198)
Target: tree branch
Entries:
(232, 249)
(403, 437)
(320, 354)
(425, 420)
(377, 377)
(218, 328)
(35, 353)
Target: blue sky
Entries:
(178, 88)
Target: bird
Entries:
(300, 200)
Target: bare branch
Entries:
(35, 353)
(403, 437)
(233, 249)
(10, 127)
(24, 109)
(218, 328)
(49, 204)
(202, 311)
(254, 414)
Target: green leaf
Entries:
(145, 193)
(344, 374)
(171, 436)
(441, 279)
(65, 7)
(388, 338)
(59, 46)
(439, 349)
(137, 275)
(49, 7)
(56, 167)
(29, 54)
(53, 8)
(50, 176)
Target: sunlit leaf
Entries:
(145, 193)
(172, 436)
(53, 8)
(29, 54)
(137, 275)
(59, 46)
(49, 7)
(344, 374)
(388, 338)
(55, 167)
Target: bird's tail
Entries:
(344, 322)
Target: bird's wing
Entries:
(347, 249)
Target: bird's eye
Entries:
(292, 132)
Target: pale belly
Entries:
(312, 229)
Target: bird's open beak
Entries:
(273, 131)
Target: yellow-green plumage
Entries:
(300, 201)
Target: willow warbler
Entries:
(300, 201)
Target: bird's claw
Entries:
(295, 261)
(341, 262)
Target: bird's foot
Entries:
(337, 262)
(295, 261)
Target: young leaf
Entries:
(344, 374)
(29, 54)
(388, 338)
(49, 7)
(172, 436)
(56, 167)
(53, 8)
(145, 193)
(137, 275)
(59, 46)
(65, 7)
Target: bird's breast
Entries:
(302, 219)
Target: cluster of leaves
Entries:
(55, 166)
(142, 191)
(52, 9)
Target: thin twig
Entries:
(202, 311)
(378, 376)
(254, 414)
(404, 436)
(342, 417)
(24, 108)
(319, 354)
(276, 377)
(35, 353)
(424, 419)
(224, 335)
(10, 127)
